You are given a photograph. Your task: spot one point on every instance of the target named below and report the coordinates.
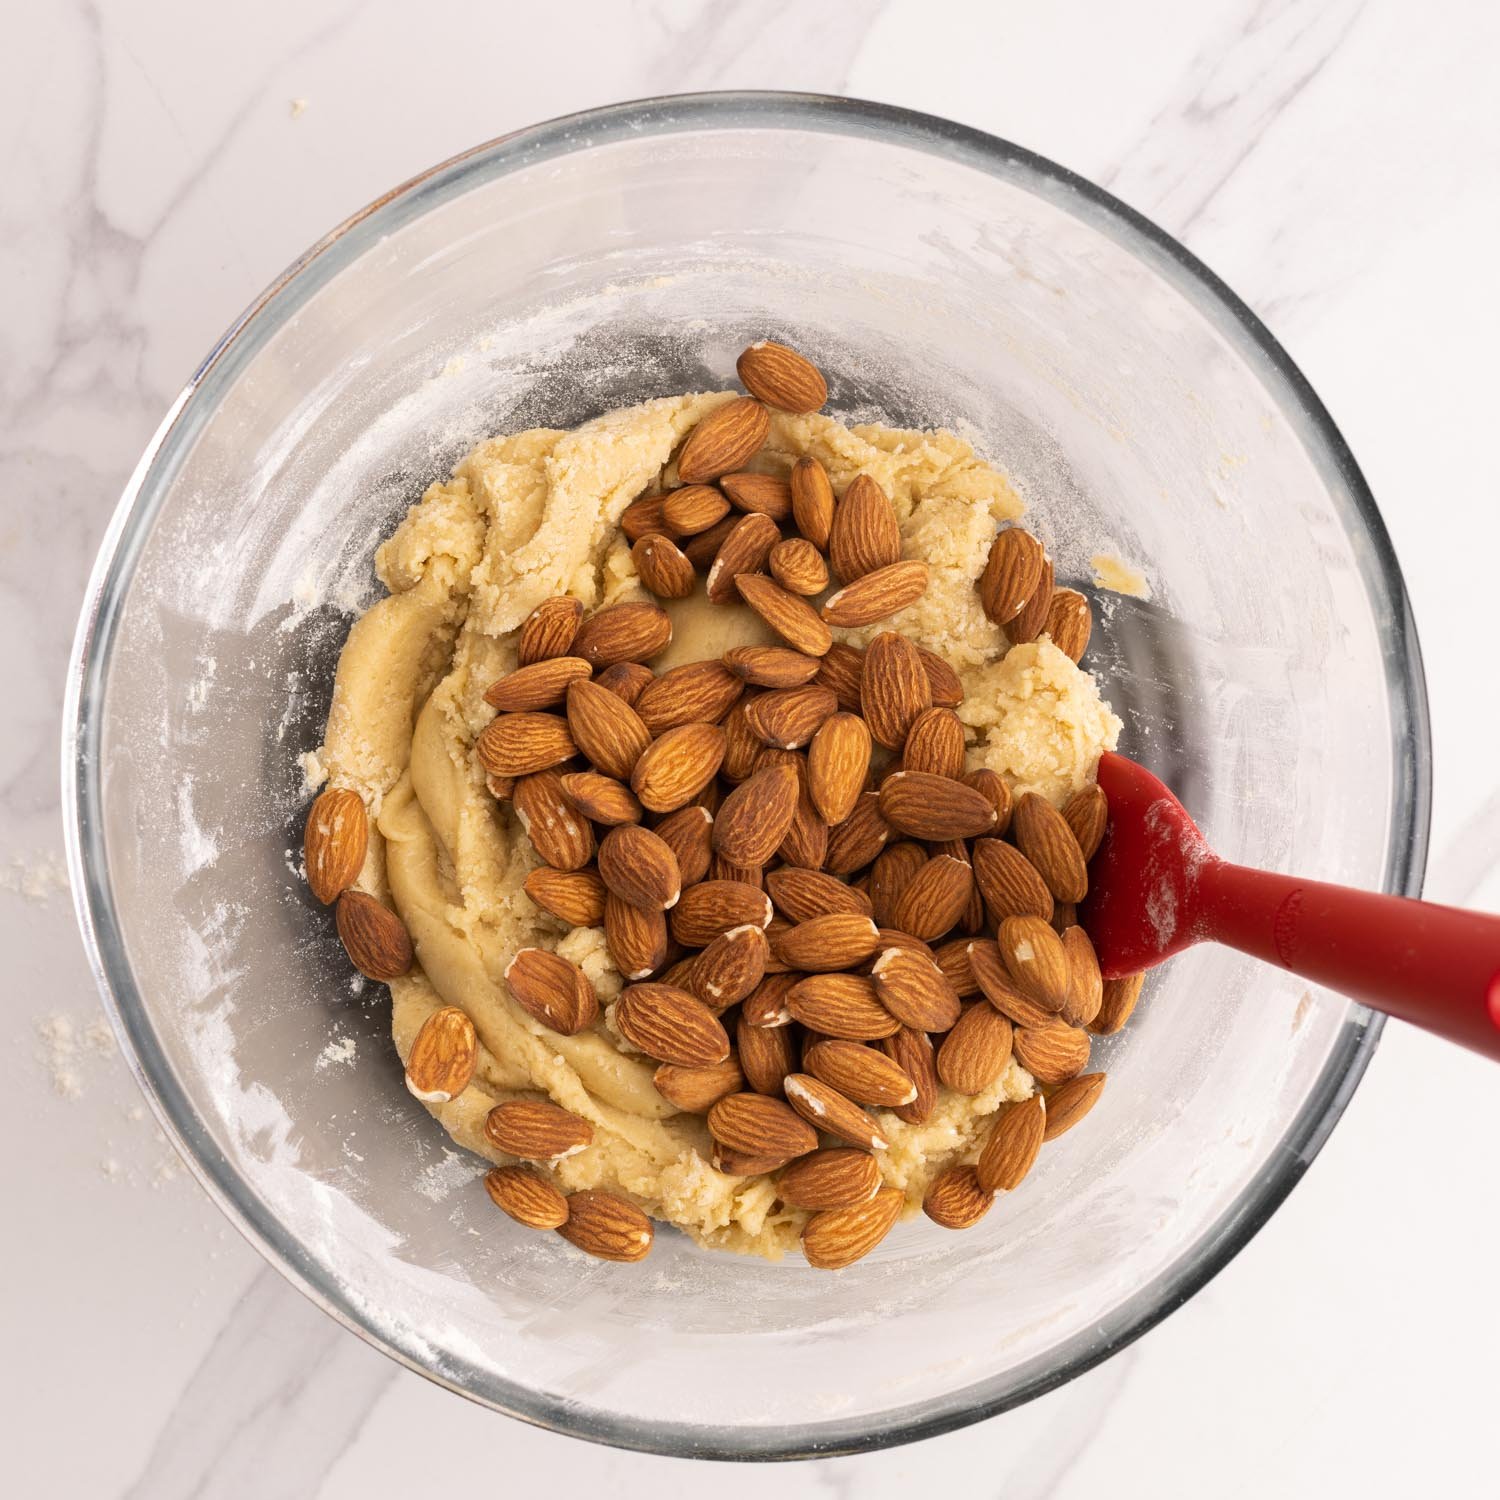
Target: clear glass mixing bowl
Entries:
(940, 277)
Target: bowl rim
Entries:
(1410, 809)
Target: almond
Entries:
(1069, 622)
(841, 1005)
(693, 508)
(742, 1163)
(877, 596)
(334, 843)
(840, 1236)
(1011, 574)
(935, 743)
(805, 845)
(760, 494)
(947, 690)
(536, 1130)
(793, 619)
(714, 906)
(636, 938)
(894, 690)
(601, 799)
(604, 1225)
(1118, 1001)
(890, 875)
(994, 981)
(642, 518)
(501, 788)
(572, 896)
(835, 1177)
(974, 1053)
(991, 786)
(765, 1056)
(1070, 1102)
(680, 974)
(838, 760)
(563, 838)
(623, 632)
(688, 833)
(640, 868)
(1052, 1054)
(696, 692)
(519, 744)
(812, 501)
(374, 937)
(801, 894)
(664, 568)
(911, 1050)
(924, 806)
(442, 1057)
(696, 1090)
(528, 1198)
(720, 868)
(934, 898)
(771, 666)
(853, 843)
(859, 1073)
(952, 960)
(1044, 837)
(541, 685)
(741, 747)
(865, 535)
(798, 566)
(913, 989)
(673, 769)
(788, 718)
(755, 816)
(825, 944)
(701, 550)
(1085, 984)
(1087, 814)
(549, 630)
(606, 729)
(1064, 916)
(627, 680)
(955, 1200)
(725, 440)
(730, 967)
(1035, 959)
(758, 1125)
(1009, 882)
(830, 1113)
(746, 547)
(552, 990)
(1031, 620)
(670, 1025)
(842, 673)
(766, 1005)
(781, 377)
(1012, 1145)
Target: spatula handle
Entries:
(1434, 966)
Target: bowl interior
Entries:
(939, 280)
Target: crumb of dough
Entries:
(1118, 576)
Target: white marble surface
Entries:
(1336, 162)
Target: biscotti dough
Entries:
(529, 516)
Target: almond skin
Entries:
(934, 807)
(714, 906)
(374, 937)
(830, 1113)
(911, 1051)
(1035, 959)
(1087, 814)
(1085, 983)
(725, 440)
(758, 1125)
(765, 1056)
(549, 630)
(552, 990)
(877, 595)
(781, 377)
(572, 896)
(865, 535)
(935, 743)
(989, 784)
(861, 836)
(842, 673)
(623, 632)
(1117, 1003)
(824, 944)
(742, 1163)
(754, 817)
(601, 799)
(890, 875)
(838, 760)
(746, 548)
(914, 990)
(788, 718)
(1069, 622)
(442, 1057)
(994, 981)
(730, 967)
(759, 494)
(636, 938)
(947, 690)
(1070, 1102)
(812, 501)
(1011, 574)
(841, 1005)
(798, 566)
(520, 744)
(643, 518)
(334, 843)
(1052, 1054)
(528, 1198)
(693, 509)
(604, 1225)
(860, 1073)
(836, 1177)
(793, 619)
(696, 692)
(894, 690)
(557, 830)
(701, 550)
(840, 1236)
(674, 768)
(670, 1025)
(952, 960)
(639, 867)
(536, 1130)
(974, 1053)
(543, 684)
(771, 666)
(1009, 882)
(664, 568)
(956, 1200)
(766, 1004)
(935, 898)
(627, 680)
(606, 729)
(688, 833)
(1042, 834)
(1012, 1145)
(696, 1090)
(800, 895)
(1031, 620)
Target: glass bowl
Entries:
(940, 277)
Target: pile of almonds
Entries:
(817, 910)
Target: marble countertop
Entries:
(1336, 161)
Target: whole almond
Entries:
(842, 673)
(853, 843)
(1012, 1145)
(994, 981)
(374, 937)
(1052, 1054)
(746, 548)
(743, 1163)
(501, 788)
(520, 744)
(911, 1050)
(891, 873)
(741, 747)
(1035, 959)
(627, 680)
(636, 938)
(549, 630)
(793, 619)
(606, 729)
(673, 769)
(801, 894)
(1070, 1102)
(552, 990)
(754, 817)
(760, 494)
(688, 833)
(1069, 622)
(859, 1073)
(1064, 916)
(720, 868)
(696, 692)
(947, 690)
(1009, 882)
(771, 666)
(841, 1005)
(1031, 620)
(831, 1113)
(766, 1004)
(701, 550)
(935, 743)
(725, 440)
(913, 989)
(952, 960)
(974, 1053)
(714, 906)
(765, 1056)
(877, 596)
(664, 568)
(559, 833)
(543, 684)
(696, 1090)
(865, 535)
(334, 843)
(623, 632)
(894, 690)
(693, 509)
(1085, 984)
(1116, 1004)
(604, 1225)
(1011, 574)
(788, 718)
(781, 377)
(956, 1200)
(835, 1177)
(572, 896)
(1044, 837)
(639, 867)
(643, 518)
(730, 967)
(798, 566)
(442, 1057)
(601, 799)
(806, 841)
(1087, 814)
(838, 760)
(993, 787)
(825, 944)
(761, 1126)
(527, 1197)
(670, 1025)
(536, 1130)
(930, 807)
(840, 1236)
(934, 898)
(812, 501)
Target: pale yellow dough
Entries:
(532, 515)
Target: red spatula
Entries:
(1156, 888)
